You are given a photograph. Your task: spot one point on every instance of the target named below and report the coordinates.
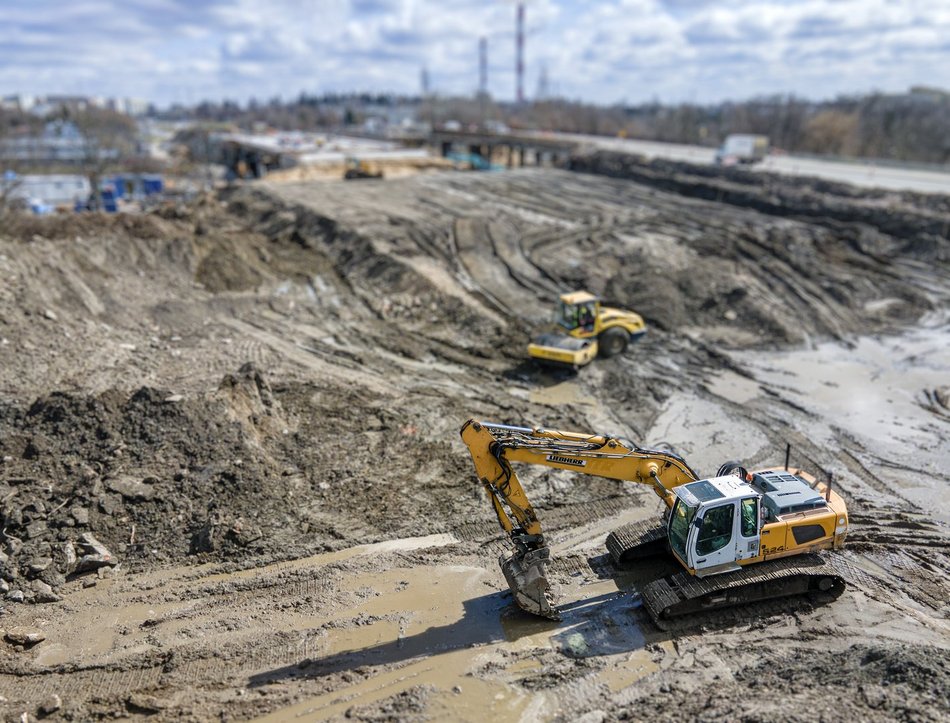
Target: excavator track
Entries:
(635, 541)
(682, 594)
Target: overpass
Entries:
(510, 149)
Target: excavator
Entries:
(584, 330)
(739, 537)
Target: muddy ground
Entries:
(253, 402)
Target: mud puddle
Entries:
(879, 395)
(437, 627)
(561, 393)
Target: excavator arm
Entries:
(494, 447)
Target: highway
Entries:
(866, 174)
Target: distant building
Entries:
(46, 192)
(42, 106)
(60, 142)
(22, 103)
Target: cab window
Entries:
(567, 315)
(586, 316)
(749, 514)
(716, 530)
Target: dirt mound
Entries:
(902, 215)
(29, 228)
(147, 474)
(238, 473)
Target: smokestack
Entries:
(519, 53)
(482, 65)
(424, 81)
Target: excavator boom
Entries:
(495, 446)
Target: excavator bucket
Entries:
(527, 578)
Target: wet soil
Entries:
(253, 402)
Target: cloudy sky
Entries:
(605, 51)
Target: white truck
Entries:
(742, 148)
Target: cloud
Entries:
(604, 51)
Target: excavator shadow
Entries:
(601, 625)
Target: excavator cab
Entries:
(714, 523)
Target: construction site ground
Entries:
(253, 402)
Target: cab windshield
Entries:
(572, 316)
(680, 518)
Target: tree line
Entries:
(910, 126)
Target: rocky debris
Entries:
(50, 705)
(145, 703)
(43, 592)
(93, 554)
(216, 533)
(25, 636)
(131, 488)
(40, 564)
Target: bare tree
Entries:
(9, 183)
(108, 138)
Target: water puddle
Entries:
(734, 387)
(875, 392)
(438, 627)
(560, 394)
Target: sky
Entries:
(602, 51)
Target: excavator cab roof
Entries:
(725, 489)
(577, 297)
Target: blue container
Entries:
(109, 204)
(152, 185)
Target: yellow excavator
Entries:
(584, 329)
(739, 536)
